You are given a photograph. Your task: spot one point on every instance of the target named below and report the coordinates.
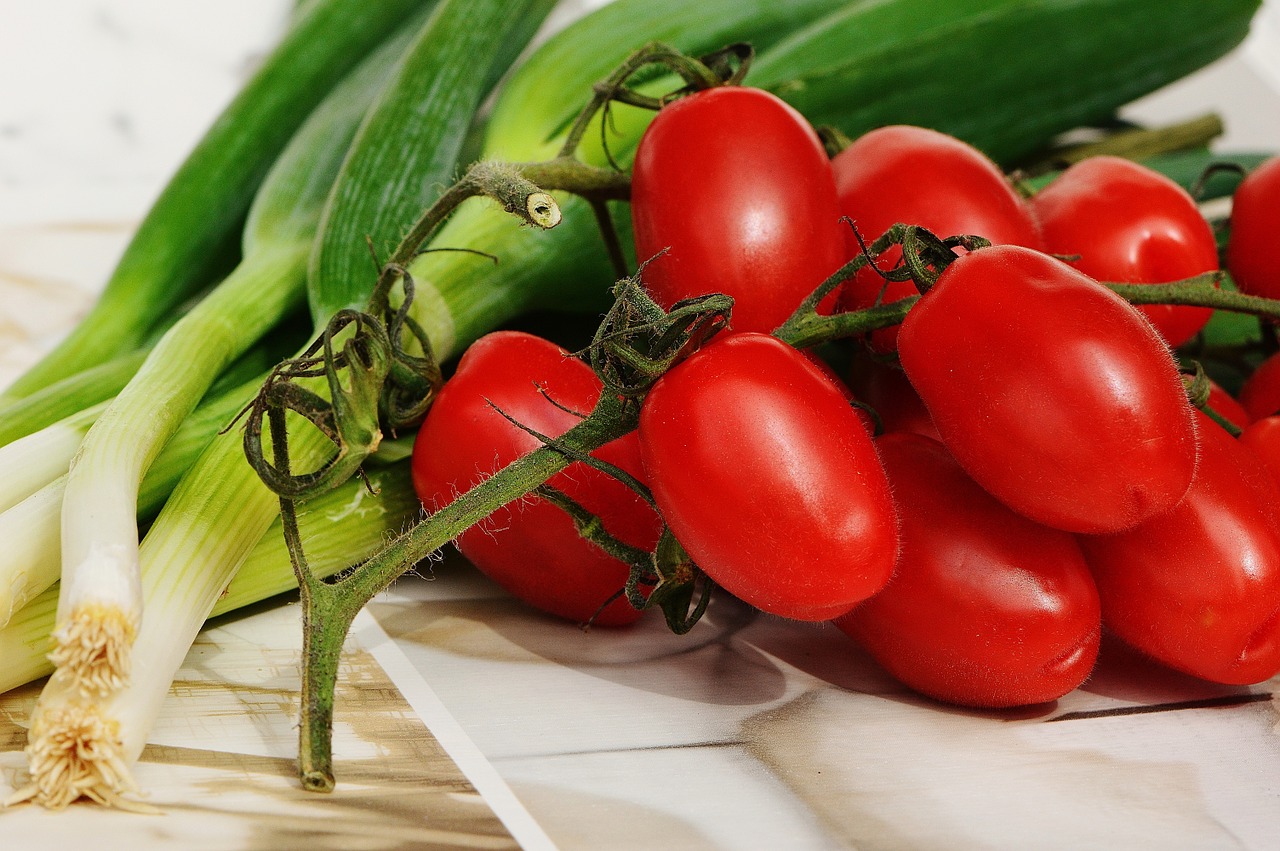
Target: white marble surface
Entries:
(750, 732)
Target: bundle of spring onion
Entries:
(347, 134)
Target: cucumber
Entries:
(1004, 75)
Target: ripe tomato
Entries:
(1226, 406)
(529, 546)
(1260, 394)
(917, 176)
(1051, 391)
(1262, 438)
(1198, 588)
(887, 391)
(764, 473)
(1255, 221)
(1129, 223)
(736, 186)
(986, 608)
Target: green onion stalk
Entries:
(87, 731)
(101, 591)
(100, 605)
(343, 525)
(32, 526)
(183, 240)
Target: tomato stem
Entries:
(1136, 143)
(330, 608)
(1198, 387)
(724, 67)
(636, 343)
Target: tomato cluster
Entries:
(1036, 472)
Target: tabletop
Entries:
(467, 720)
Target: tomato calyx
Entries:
(1199, 389)
(925, 257)
(724, 67)
(638, 341)
(665, 579)
(381, 377)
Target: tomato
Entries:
(1255, 221)
(1226, 406)
(1129, 223)
(1051, 391)
(917, 176)
(529, 546)
(886, 389)
(840, 384)
(764, 473)
(1198, 588)
(1262, 437)
(1260, 394)
(737, 188)
(986, 608)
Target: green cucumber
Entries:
(1004, 75)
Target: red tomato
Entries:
(765, 475)
(1262, 438)
(1260, 395)
(1051, 391)
(1255, 221)
(886, 389)
(736, 186)
(1131, 224)
(839, 383)
(1226, 406)
(1198, 588)
(985, 608)
(529, 546)
(916, 176)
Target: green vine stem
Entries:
(806, 327)
(727, 66)
(519, 188)
(639, 334)
(1136, 143)
(1198, 387)
(329, 609)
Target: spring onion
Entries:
(101, 600)
(195, 220)
(342, 527)
(80, 745)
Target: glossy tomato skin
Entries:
(914, 175)
(886, 389)
(1130, 224)
(1227, 406)
(1198, 588)
(1255, 221)
(529, 546)
(734, 184)
(1262, 438)
(986, 608)
(1260, 395)
(764, 473)
(1052, 392)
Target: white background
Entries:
(101, 99)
